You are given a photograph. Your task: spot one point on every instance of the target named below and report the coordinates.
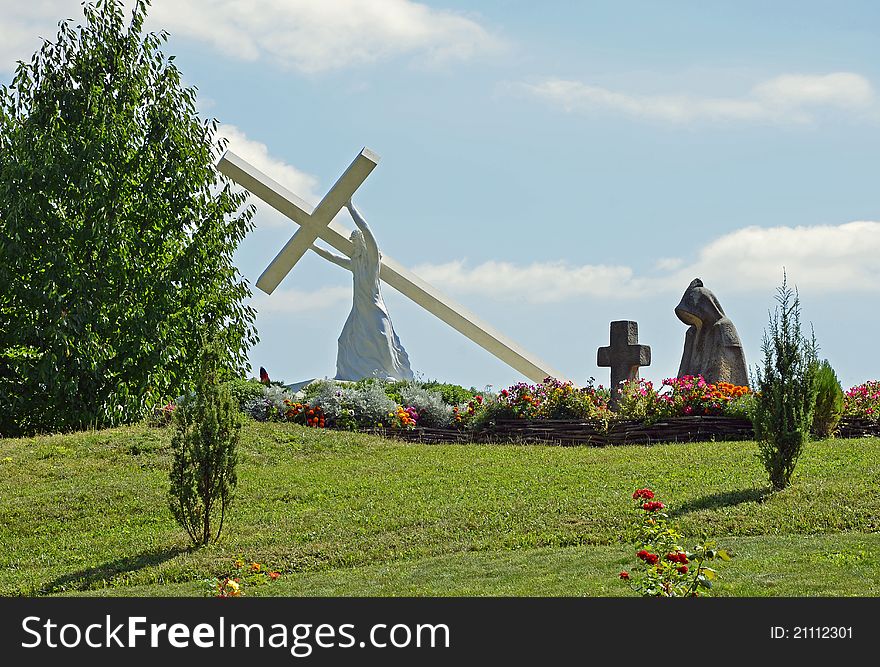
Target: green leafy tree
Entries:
(116, 231)
(207, 429)
(786, 389)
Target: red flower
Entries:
(653, 505)
(677, 557)
(478, 399)
(647, 494)
(624, 575)
(648, 557)
(683, 569)
(274, 575)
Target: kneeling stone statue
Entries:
(712, 347)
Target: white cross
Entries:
(318, 222)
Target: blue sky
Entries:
(552, 166)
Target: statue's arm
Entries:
(365, 229)
(344, 262)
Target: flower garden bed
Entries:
(685, 409)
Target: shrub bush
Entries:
(433, 411)
(452, 394)
(667, 568)
(786, 390)
(203, 471)
(244, 390)
(364, 404)
(270, 405)
(829, 401)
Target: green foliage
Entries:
(452, 394)
(829, 401)
(116, 231)
(203, 471)
(786, 390)
(668, 570)
(243, 390)
(639, 401)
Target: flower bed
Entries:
(684, 409)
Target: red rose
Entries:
(647, 494)
(653, 505)
(683, 569)
(651, 559)
(624, 575)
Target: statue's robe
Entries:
(712, 347)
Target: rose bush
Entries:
(667, 569)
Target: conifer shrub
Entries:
(204, 449)
(786, 389)
(829, 401)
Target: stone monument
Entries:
(712, 347)
(368, 346)
(624, 356)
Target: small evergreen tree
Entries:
(786, 389)
(207, 428)
(829, 401)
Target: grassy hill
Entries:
(352, 514)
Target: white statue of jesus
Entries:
(368, 345)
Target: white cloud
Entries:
(540, 282)
(22, 24)
(315, 36)
(302, 184)
(292, 301)
(307, 35)
(822, 258)
(790, 98)
(299, 182)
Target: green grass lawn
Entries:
(352, 514)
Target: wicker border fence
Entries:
(584, 432)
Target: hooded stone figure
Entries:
(712, 347)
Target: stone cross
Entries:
(624, 356)
(318, 222)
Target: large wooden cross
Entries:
(318, 222)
